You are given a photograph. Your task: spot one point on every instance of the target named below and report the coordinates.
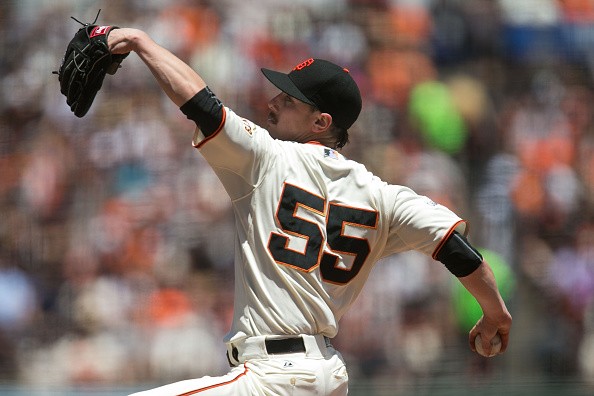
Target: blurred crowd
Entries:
(116, 239)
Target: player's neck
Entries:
(322, 142)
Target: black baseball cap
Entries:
(322, 84)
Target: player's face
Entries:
(290, 118)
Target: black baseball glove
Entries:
(86, 62)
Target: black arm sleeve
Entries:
(459, 257)
(206, 110)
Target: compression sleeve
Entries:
(459, 257)
(206, 110)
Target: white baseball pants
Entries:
(263, 368)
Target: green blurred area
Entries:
(466, 308)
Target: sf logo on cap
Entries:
(304, 64)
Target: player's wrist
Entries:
(499, 319)
(125, 40)
(138, 39)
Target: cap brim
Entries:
(283, 82)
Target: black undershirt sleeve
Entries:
(206, 110)
(459, 257)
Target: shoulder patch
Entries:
(329, 153)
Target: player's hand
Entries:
(488, 328)
(124, 40)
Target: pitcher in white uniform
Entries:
(310, 224)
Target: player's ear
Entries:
(322, 123)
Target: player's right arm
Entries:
(237, 149)
(177, 79)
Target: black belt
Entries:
(275, 346)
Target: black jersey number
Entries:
(312, 256)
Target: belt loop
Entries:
(233, 357)
(315, 346)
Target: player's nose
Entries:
(273, 103)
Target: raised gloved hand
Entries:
(86, 62)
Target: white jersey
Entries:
(310, 226)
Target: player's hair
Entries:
(342, 136)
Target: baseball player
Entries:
(310, 225)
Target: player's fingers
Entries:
(471, 338)
(486, 344)
(504, 341)
(487, 331)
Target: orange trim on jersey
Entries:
(216, 385)
(447, 235)
(215, 133)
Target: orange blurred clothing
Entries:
(140, 250)
(396, 62)
(541, 155)
(528, 194)
(168, 307)
(410, 25)
(577, 10)
(393, 73)
(199, 26)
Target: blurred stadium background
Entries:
(116, 238)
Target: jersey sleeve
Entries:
(418, 223)
(240, 152)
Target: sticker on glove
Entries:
(99, 30)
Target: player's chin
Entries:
(271, 119)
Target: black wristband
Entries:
(206, 110)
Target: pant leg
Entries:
(236, 382)
(298, 375)
(292, 374)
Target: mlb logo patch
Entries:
(330, 153)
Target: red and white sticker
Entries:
(99, 30)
